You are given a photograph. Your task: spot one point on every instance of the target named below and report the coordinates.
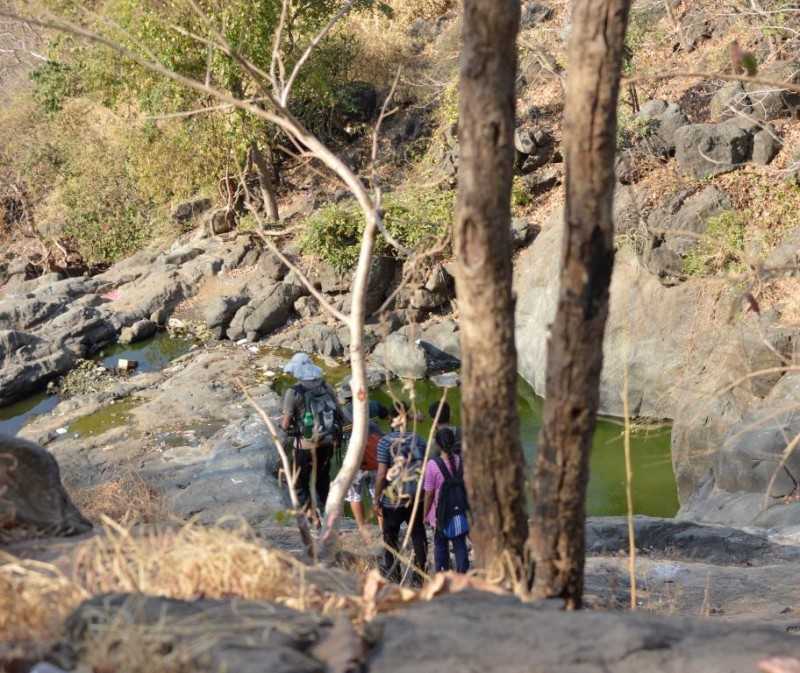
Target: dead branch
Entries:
(291, 475)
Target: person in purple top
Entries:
(446, 504)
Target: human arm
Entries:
(380, 484)
(429, 486)
(428, 502)
(288, 409)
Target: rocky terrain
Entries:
(702, 333)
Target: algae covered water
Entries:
(654, 488)
(151, 355)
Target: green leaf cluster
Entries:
(414, 216)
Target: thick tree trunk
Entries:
(493, 459)
(575, 354)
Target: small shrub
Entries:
(720, 249)
(413, 216)
(54, 83)
(520, 195)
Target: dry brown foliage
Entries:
(125, 499)
(189, 562)
(34, 599)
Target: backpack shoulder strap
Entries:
(443, 468)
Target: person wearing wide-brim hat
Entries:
(313, 418)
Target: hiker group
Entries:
(318, 421)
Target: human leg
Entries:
(461, 553)
(354, 497)
(392, 520)
(420, 541)
(302, 461)
(324, 455)
(441, 552)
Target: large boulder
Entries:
(663, 120)
(676, 228)
(32, 497)
(513, 637)
(705, 150)
(185, 212)
(638, 337)
(28, 362)
(271, 312)
(219, 312)
(769, 103)
(766, 145)
(753, 476)
(317, 338)
(213, 636)
(139, 331)
(730, 100)
(444, 335)
(402, 356)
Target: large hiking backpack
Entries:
(406, 453)
(452, 508)
(319, 403)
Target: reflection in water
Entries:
(14, 416)
(153, 355)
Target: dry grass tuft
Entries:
(187, 563)
(34, 599)
(192, 562)
(126, 499)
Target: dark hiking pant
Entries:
(393, 519)
(304, 461)
(441, 552)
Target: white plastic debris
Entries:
(242, 341)
(61, 431)
(44, 667)
(665, 572)
(125, 365)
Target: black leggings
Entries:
(303, 459)
(392, 520)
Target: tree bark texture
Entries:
(493, 458)
(266, 182)
(575, 349)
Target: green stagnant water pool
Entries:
(152, 355)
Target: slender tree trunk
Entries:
(266, 182)
(493, 459)
(575, 353)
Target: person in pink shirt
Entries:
(446, 503)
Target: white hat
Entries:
(307, 371)
(297, 360)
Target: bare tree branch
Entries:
(783, 86)
(291, 475)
